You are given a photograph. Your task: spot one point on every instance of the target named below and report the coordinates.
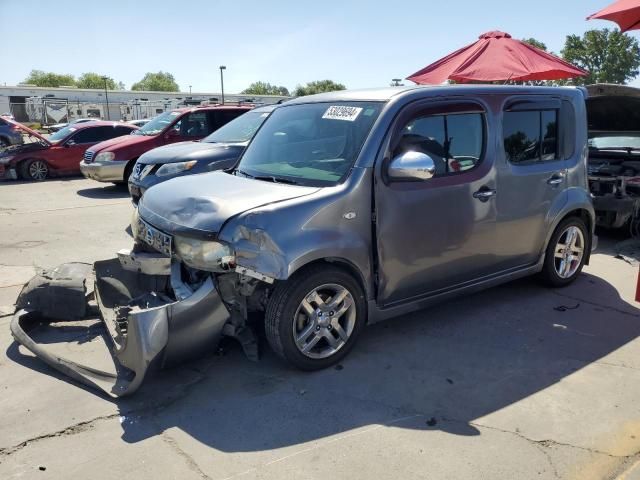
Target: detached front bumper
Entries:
(111, 171)
(153, 320)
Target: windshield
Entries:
(613, 141)
(310, 144)
(61, 134)
(157, 124)
(239, 130)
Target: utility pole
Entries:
(222, 67)
(189, 89)
(106, 95)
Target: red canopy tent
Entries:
(625, 13)
(497, 57)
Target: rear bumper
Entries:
(112, 171)
(146, 327)
(613, 211)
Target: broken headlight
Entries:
(104, 157)
(173, 168)
(203, 254)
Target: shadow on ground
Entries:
(105, 191)
(443, 367)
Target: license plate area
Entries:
(153, 237)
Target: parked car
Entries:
(218, 151)
(613, 113)
(347, 208)
(113, 161)
(60, 153)
(140, 122)
(59, 126)
(10, 132)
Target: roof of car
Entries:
(101, 123)
(217, 106)
(387, 93)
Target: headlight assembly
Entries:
(204, 255)
(104, 157)
(173, 168)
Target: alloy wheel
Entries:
(324, 321)
(569, 251)
(38, 170)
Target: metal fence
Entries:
(60, 111)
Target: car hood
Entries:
(184, 151)
(124, 141)
(28, 130)
(613, 108)
(201, 204)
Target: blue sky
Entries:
(358, 43)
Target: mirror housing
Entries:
(172, 132)
(411, 166)
(69, 143)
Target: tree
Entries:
(94, 80)
(609, 55)
(318, 86)
(49, 79)
(121, 86)
(535, 43)
(157, 82)
(264, 88)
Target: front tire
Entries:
(566, 253)
(34, 169)
(314, 318)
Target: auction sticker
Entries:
(342, 112)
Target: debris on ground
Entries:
(564, 308)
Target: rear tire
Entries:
(315, 317)
(127, 171)
(34, 169)
(566, 253)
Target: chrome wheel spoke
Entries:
(331, 340)
(311, 343)
(559, 250)
(339, 330)
(314, 297)
(337, 299)
(568, 252)
(301, 339)
(306, 306)
(345, 306)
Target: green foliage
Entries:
(264, 88)
(609, 55)
(318, 86)
(49, 79)
(157, 82)
(535, 43)
(94, 80)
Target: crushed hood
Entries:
(613, 108)
(185, 151)
(201, 204)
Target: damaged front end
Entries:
(157, 313)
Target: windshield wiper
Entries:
(273, 179)
(244, 174)
(624, 149)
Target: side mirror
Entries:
(69, 143)
(411, 166)
(172, 133)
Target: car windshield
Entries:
(157, 124)
(609, 141)
(239, 130)
(61, 134)
(309, 144)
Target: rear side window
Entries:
(194, 124)
(87, 135)
(454, 141)
(531, 136)
(218, 118)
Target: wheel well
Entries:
(128, 168)
(343, 265)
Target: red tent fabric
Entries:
(497, 57)
(625, 13)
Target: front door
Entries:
(537, 137)
(437, 233)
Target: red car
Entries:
(59, 154)
(113, 160)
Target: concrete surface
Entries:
(515, 382)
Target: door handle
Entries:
(556, 179)
(484, 194)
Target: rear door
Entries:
(531, 175)
(437, 233)
(218, 118)
(192, 126)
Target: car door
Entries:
(437, 233)
(191, 126)
(531, 175)
(219, 118)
